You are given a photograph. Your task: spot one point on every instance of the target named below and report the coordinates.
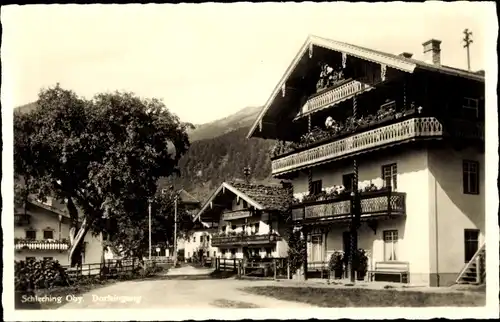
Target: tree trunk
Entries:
(76, 235)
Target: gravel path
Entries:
(178, 293)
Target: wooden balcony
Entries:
(383, 202)
(236, 214)
(333, 95)
(410, 129)
(44, 244)
(21, 219)
(218, 241)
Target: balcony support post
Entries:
(355, 211)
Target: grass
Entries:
(355, 297)
(234, 304)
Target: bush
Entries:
(336, 262)
(29, 275)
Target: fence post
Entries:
(478, 270)
(274, 264)
(234, 264)
(288, 269)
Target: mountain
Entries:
(240, 119)
(219, 152)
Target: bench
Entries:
(391, 268)
(318, 267)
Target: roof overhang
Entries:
(341, 47)
(222, 188)
(404, 64)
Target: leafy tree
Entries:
(103, 157)
(296, 248)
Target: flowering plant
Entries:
(336, 262)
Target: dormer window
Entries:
(470, 107)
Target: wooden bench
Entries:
(318, 267)
(391, 268)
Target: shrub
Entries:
(336, 262)
(37, 274)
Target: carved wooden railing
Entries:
(236, 214)
(408, 129)
(244, 240)
(384, 202)
(334, 95)
(41, 244)
(467, 129)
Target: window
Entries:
(194, 239)
(470, 107)
(30, 234)
(29, 259)
(48, 258)
(215, 254)
(208, 238)
(471, 243)
(202, 238)
(471, 177)
(257, 225)
(48, 234)
(390, 176)
(269, 252)
(233, 227)
(348, 181)
(391, 245)
(315, 187)
(245, 204)
(223, 252)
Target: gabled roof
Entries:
(261, 197)
(390, 60)
(187, 198)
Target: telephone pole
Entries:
(467, 41)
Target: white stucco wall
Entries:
(413, 230)
(42, 219)
(193, 243)
(455, 210)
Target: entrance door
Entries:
(317, 248)
(471, 243)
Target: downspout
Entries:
(437, 230)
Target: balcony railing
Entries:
(244, 240)
(382, 202)
(333, 95)
(48, 244)
(405, 130)
(21, 219)
(236, 214)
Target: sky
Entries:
(208, 61)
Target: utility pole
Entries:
(175, 229)
(149, 208)
(246, 172)
(467, 41)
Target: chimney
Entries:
(432, 52)
(406, 55)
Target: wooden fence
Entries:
(113, 268)
(268, 268)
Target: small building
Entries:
(42, 232)
(249, 220)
